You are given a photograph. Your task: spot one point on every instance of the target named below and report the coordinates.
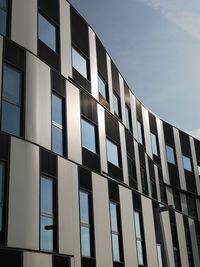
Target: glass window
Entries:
(198, 169)
(79, 62)
(85, 224)
(159, 253)
(154, 144)
(116, 104)
(177, 201)
(128, 118)
(114, 231)
(46, 214)
(170, 154)
(187, 165)
(11, 102)
(2, 187)
(140, 132)
(112, 153)
(102, 86)
(47, 32)
(3, 16)
(138, 238)
(144, 180)
(191, 206)
(57, 124)
(88, 135)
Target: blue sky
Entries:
(156, 46)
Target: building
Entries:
(88, 176)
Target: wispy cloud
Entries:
(195, 133)
(174, 11)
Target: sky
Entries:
(156, 47)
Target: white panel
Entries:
(110, 84)
(181, 240)
(162, 150)
(157, 183)
(148, 174)
(170, 198)
(65, 39)
(184, 203)
(102, 222)
(23, 217)
(149, 231)
(133, 115)
(194, 161)
(122, 97)
(167, 238)
(179, 158)
(128, 228)
(73, 124)
(93, 64)
(1, 63)
(145, 116)
(137, 164)
(32, 259)
(66, 173)
(38, 102)
(123, 153)
(24, 24)
(195, 250)
(102, 138)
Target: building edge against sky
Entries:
(88, 176)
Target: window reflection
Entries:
(112, 153)
(79, 63)
(88, 135)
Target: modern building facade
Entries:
(88, 175)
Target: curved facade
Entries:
(88, 176)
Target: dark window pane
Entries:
(154, 144)
(116, 104)
(12, 84)
(10, 118)
(112, 153)
(46, 233)
(170, 154)
(47, 32)
(46, 196)
(79, 63)
(130, 168)
(57, 140)
(3, 4)
(128, 118)
(2, 187)
(57, 109)
(85, 241)
(102, 87)
(88, 136)
(84, 207)
(3, 22)
(187, 163)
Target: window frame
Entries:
(74, 48)
(3, 203)
(140, 130)
(139, 238)
(91, 123)
(154, 144)
(174, 154)
(115, 96)
(6, 11)
(118, 152)
(128, 118)
(190, 163)
(106, 88)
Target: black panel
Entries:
(185, 143)
(190, 182)
(127, 94)
(112, 127)
(115, 171)
(104, 102)
(152, 122)
(173, 175)
(91, 160)
(58, 83)
(113, 191)
(10, 258)
(5, 146)
(151, 169)
(14, 54)
(160, 175)
(85, 179)
(51, 8)
(137, 201)
(48, 56)
(79, 30)
(139, 110)
(83, 82)
(48, 163)
(118, 264)
(129, 143)
(88, 107)
(142, 156)
(61, 261)
(168, 133)
(88, 262)
(101, 59)
(156, 159)
(197, 148)
(115, 78)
